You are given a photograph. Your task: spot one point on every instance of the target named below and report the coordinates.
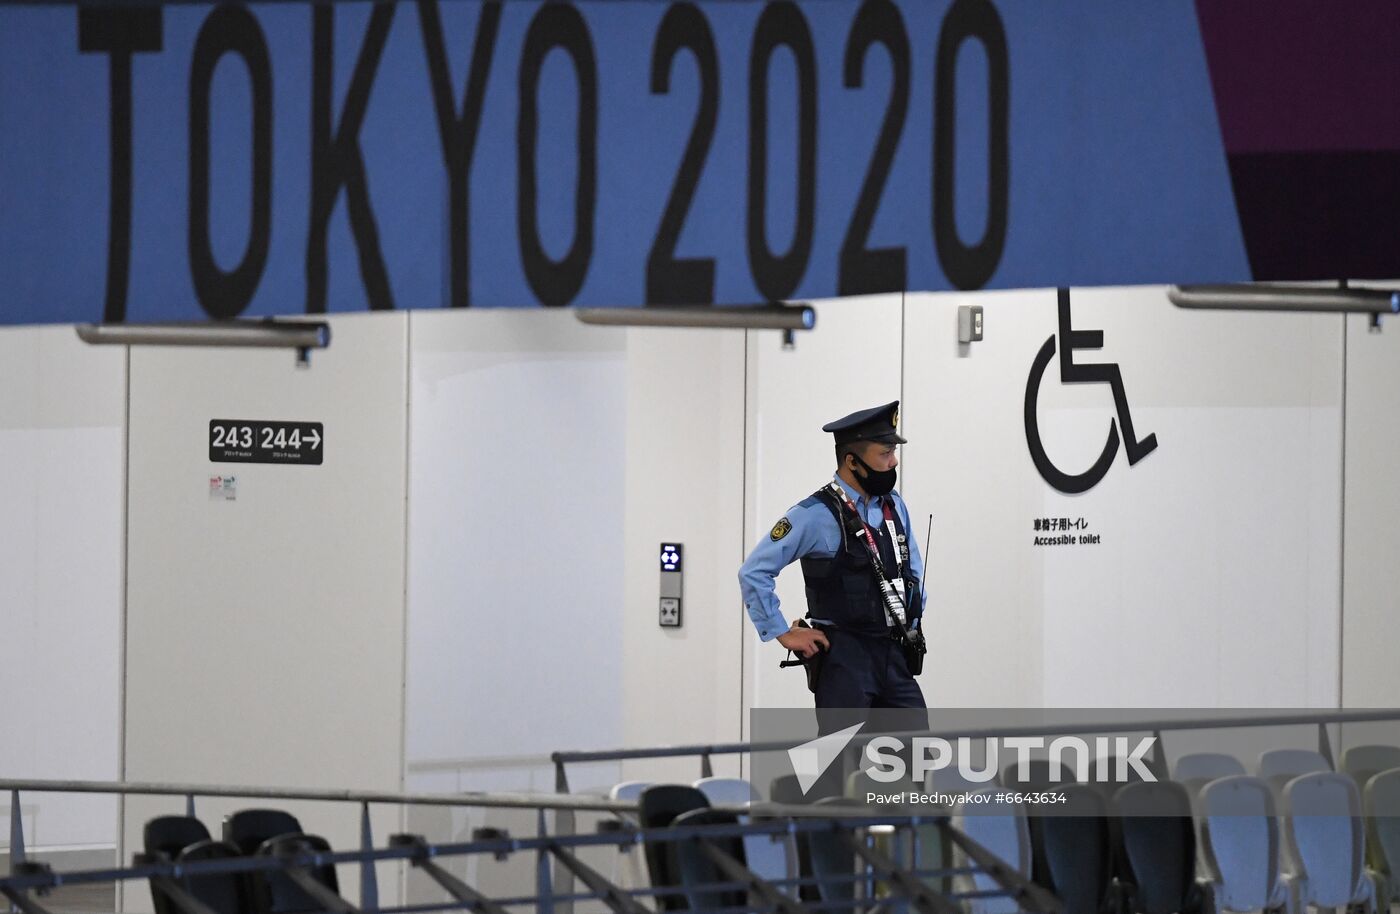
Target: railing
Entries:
(557, 866)
(369, 889)
(1156, 726)
(854, 827)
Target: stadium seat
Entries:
(224, 893)
(247, 829)
(934, 853)
(166, 836)
(1104, 778)
(629, 873)
(1104, 773)
(659, 805)
(1198, 769)
(276, 893)
(1157, 849)
(1038, 775)
(274, 831)
(1324, 837)
(1240, 834)
(787, 791)
(726, 791)
(952, 781)
(1381, 799)
(833, 861)
(860, 785)
(697, 869)
(628, 791)
(1279, 766)
(1194, 772)
(1038, 778)
(1000, 827)
(1077, 849)
(1365, 762)
(163, 838)
(767, 855)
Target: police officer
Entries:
(864, 645)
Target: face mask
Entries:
(875, 482)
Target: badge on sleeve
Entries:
(781, 529)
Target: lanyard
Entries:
(865, 527)
(894, 599)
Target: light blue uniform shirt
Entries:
(816, 533)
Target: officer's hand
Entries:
(804, 641)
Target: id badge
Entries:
(898, 585)
(901, 544)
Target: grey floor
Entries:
(78, 899)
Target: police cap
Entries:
(879, 423)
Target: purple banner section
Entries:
(1307, 97)
(1295, 76)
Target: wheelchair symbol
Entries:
(1070, 373)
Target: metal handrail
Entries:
(562, 805)
(848, 819)
(1158, 725)
(551, 801)
(172, 878)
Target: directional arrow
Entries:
(315, 438)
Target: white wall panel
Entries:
(62, 417)
(1371, 673)
(516, 502)
(685, 472)
(1218, 566)
(265, 634)
(515, 598)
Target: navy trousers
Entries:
(862, 672)
(866, 671)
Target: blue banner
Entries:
(187, 161)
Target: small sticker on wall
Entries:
(223, 488)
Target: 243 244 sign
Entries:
(261, 441)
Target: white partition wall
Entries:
(516, 500)
(1215, 580)
(549, 459)
(1372, 592)
(685, 472)
(966, 465)
(62, 418)
(265, 634)
(516, 490)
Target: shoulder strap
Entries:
(832, 505)
(895, 526)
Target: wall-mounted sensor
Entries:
(670, 607)
(969, 323)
